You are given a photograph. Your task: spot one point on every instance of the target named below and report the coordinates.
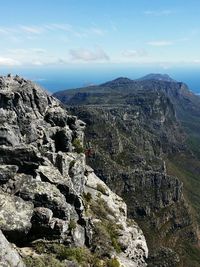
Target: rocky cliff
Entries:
(133, 130)
(54, 210)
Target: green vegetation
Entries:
(106, 232)
(190, 257)
(87, 197)
(113, 263)
(80, 255)
(60, 253)
(100, 209)
(101, 188)
(71, 164)
(186, 167)
(72, 224)
(77, 146)
(125, 141)
(43, 261)
(106, 235)
(54, 255)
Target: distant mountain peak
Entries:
(158, 77)
(118, 81)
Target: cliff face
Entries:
(53, 207)
(133, 129)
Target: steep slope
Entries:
(54, 208)
(134, 132)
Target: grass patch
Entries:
(113, 263)
(101, 189)
(43, 261)
(100, 209)
(106, 235)
(57, 253)
(80, 255)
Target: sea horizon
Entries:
(55, 79)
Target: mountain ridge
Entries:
(158, 77)
(135, 127)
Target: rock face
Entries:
(46, 190)
(132, 131)
(9, 257)
(131, 237)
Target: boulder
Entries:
(43, 194)
(9, 256)
(15, 216)
(7, 172)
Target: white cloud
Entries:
(87, 32)
(29, 56)
(134, 53)
(165, 12)
(57, 26)
(160, 43)
(37, 63)
(6, 61)
(32, 29)
(20, 33)
(20, 52)
(96, 31)
(4, 31)
(39, 50)
(197, 61)
(165, 66)
(82, 54)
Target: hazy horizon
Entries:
(60, 79)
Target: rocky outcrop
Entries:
(48, 194)
(131, 237)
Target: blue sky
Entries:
(71, 43)
(91, 32)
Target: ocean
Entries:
(56, 79)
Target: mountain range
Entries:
(54, 210)
(144, 143)
(108, 178)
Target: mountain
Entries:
(157, 77)
(54, 209)
(143, 146)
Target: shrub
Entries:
(113, 263)
(101, 209)
(39, 247)
(79, 255)
(54, 253)
(87, 197)
(71, 164)
(106, 234)
(72, 224)
(42, 261)
(77, 146)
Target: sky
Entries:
(84, 35)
